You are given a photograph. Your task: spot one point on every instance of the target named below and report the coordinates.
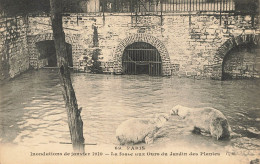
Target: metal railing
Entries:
(148, 6)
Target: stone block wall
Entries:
(190, 45)
(13, 45)
(39, 29)
(211, 36)
(242, 63)
(192, 41)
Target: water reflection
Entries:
(33, 111)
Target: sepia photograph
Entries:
(129, 81)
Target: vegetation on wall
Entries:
(96, 64)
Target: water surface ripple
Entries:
(32, 110)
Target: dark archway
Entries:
(142, 58)
(140, 37)
(241, 62)
(249, 40)
(47, 51)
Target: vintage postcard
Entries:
(129, 81)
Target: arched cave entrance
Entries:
(47, 51)
(142, 58)
(241, 62)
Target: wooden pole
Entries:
(73, 112)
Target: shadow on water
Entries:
(31, 105)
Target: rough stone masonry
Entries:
(191, 45)
(13, 45)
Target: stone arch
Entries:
(33, 39)
(142, 38)
(49, 36)
(228, 45)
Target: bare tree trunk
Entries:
(74, 118)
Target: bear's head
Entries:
(180, 111)
(161, 119)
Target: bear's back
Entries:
(203, 117)
(135, 130)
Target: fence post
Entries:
(220, 12)
(131, 8)
(103, 9)
(161, 12)
(253, 20)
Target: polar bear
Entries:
(138, 130)
(204, 120)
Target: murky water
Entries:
(32, 110)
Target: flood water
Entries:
(32, 110)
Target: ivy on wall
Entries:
(96, 64)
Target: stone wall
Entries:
(40, 30)
(192, 42)
(190, 45)
(250, 41)
(13, 45)
(242, 62)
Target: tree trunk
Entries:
(74, 118)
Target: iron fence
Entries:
(171, 6)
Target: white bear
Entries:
(138, 130)
(204, 120)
